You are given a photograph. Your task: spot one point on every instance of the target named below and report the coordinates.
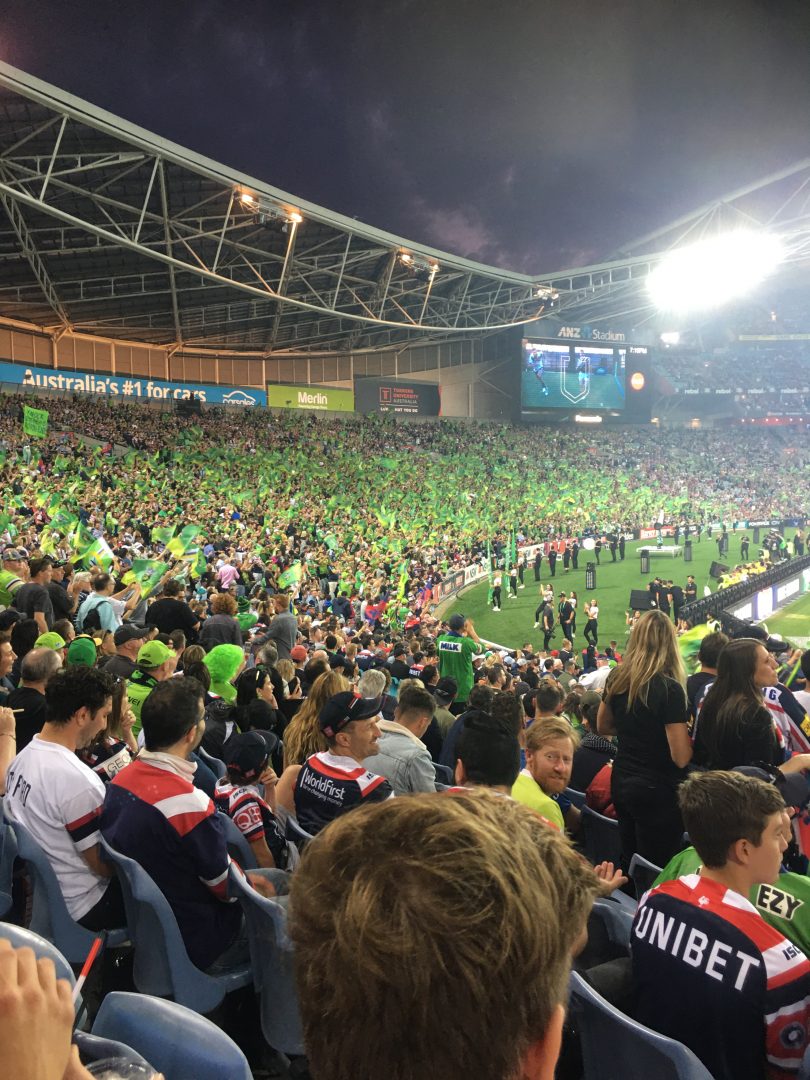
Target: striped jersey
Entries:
(711, 973)
(253, 817)
(328, 785)
(158, 818)
(58, 799)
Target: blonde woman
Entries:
(302, 736)
(645, 705)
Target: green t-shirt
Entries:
(9, 583)
(785, 905)
(526, 790)
(455, 661)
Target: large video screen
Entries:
(571, 376)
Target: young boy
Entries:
(709, 971)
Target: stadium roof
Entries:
(111, 230)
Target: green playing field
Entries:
(792, 622)
(513, 626)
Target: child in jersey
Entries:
(709, 971)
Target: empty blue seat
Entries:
(162, 966)
(271, 954)
(173, 1039)
(642, 873)
(600, 837)
(615, 1047)
(50, 917)
(576, 797)
(299, 836)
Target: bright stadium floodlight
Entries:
(713, 272)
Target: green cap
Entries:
(50, 641)
(82, 652)
(152, 655)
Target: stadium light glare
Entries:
(712, 272)
(671, 337)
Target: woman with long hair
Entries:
(303, 736)
(115, 746)
(733, 725)
(645, 705)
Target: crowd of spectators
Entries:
(423, 764)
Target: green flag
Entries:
(179, 545)
(290, 576)
(35, 422)
(147, 573)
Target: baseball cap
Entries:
(82, 652)
(298, 653)
(343, 709)
(14, 555)
(589, 699)
(152, 655)
(456, 622)
(129, 632)
(246, 754)
(51, 640)
(445, 689)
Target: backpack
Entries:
(92, 619)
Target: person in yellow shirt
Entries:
(550, 746)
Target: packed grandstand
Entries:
(404, 708)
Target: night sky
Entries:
(534, 136)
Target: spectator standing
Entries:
(456, 650)
(32, 599)
(645, 706)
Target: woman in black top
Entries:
(733, 726)
(645, 706)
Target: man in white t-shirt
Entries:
(59, 799)
(109, 606)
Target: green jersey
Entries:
(455, 661)
(9, 583)
(785, 905)
(139, 687)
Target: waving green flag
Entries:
(147, 573)
(35, 422)
(290, 576)
(179, 545)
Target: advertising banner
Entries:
(320, 398)
(393, 396)
(127, 386)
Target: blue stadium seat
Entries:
(300, 837)
(21, 938)
(50, 917)
(615, 1047)
(576, 797)
(93, 1048)
(616, 919)
(238, 847)
(8, 852)
(173, 1039)
(600, 837)
(271, 954)
(216, 766)
(642, 873)
(162, 966)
